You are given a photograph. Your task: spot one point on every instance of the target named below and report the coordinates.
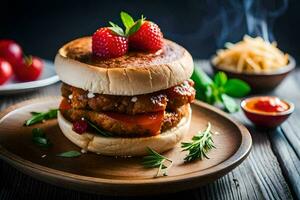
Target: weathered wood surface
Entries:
(270, 172)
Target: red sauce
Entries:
(267, 104)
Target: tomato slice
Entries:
(65, 105)
(148, 121)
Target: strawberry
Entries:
(147, 38)
(109, 42)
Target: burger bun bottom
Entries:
(116, 146)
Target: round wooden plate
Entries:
(118, 176)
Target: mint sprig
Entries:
(130, 25)
(220, 89)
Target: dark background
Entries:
(202, 26)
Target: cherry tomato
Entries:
(29, 69)
(11, 51)
(5, 71)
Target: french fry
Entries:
(251, 55)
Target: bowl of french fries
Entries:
(258, 62)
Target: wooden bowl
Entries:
(261, 82)
(267, 120)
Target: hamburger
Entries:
(118, 105)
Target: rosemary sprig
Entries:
(201, 143)
(155, 160)
(40, 116)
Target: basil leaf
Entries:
(236, 88)
(39, 138)
(95, 127)
(229, 103)
(127, 20)
(40, 116)
(137, 25)
(116, 29)
(220, 79)
(69, 154)
(202, 84)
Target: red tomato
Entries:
(11, 51)
(5, 71)
(65, 105)
(150, 121)
(29, 69)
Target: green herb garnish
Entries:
(201, 143)
(155, 160)
(97, 129)
(69, 154)
(39, 138)
(130, 25)
(38, 117)
(220, 89)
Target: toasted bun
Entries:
(132, 74)
(114, 146)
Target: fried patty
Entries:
(122, 128)
(169, 99)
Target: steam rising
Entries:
(230, 20)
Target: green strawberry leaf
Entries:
(69, 154)
(137, 25)
(127, 20)
(116, 29)
(236, 88)
(220, 79)
(229, 103)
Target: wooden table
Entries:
(272, 170)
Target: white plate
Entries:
(48, 77)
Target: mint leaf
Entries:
(40, 116)
(229, 103)
(220, 79)
(236, 88)
(39, 138)
(116, 29)
(127, 20)
(137, 25)
(69, 154)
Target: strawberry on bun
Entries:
(125, 90)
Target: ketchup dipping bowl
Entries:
(267, 111)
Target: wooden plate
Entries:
(118, 176)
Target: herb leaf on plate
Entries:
(155, 160)
(69, 154)
(39, 138)
(38, 117)
(200, 145)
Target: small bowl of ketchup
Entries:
(267, 111)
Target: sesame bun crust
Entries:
(116, 146)
(132, 74)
